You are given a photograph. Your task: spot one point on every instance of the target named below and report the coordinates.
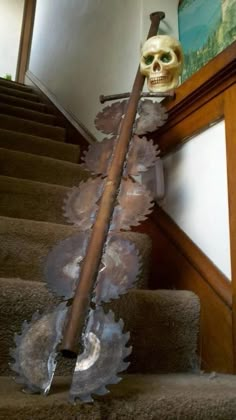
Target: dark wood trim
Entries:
(25, 39)
(201, 88)
(201, 263)
(230, 124)
(174, 266)
(193, 124)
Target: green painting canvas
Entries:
(206, 27)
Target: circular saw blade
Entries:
(120, 268)
(103, 356)
(142, 155)
(109, 119)
(152, 115)
(97, 158)
(135, 202)
(62, 268)
(80, 206)
(35, 351)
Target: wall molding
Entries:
(196, 92)
(78, 125)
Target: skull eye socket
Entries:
(148, 59)
(165, 58)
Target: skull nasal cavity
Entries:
(156, 66)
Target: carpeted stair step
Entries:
(39, 146)
(24, 103)
(19, 94)
(24, 199)
(164, 340)
(40, 168)
(180, 396)
(15, 85)
(32, 127)
(28, 114)
(26, 243)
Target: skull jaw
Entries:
(162, 82)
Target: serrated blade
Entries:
(120, 269)
(103, 356)
(109, 119)
(134, 204)
(98, 157)
(62, 267)
(80, 206)
(152, 115)
(35, 352)
(115, 277)
(142, 155)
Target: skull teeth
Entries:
(159, 79)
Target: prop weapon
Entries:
(97, 264)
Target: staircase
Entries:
(37, 170)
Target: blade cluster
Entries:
(104, 343)
(151, 116)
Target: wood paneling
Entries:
(199, 90)
(230, 124)
(178, 264)
(197, 121)
(208, 96)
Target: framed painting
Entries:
(206, 27)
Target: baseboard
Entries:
(78, 125)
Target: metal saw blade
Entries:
(135, 202)
(142, 155)
(152, 115)
(120, 269)
(80, 206)
(115, 277)
(35, 352)
(97, 158)
(103, 356)
(62, 267)
(109, 119)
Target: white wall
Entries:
(11, 13)
(84, 48)
(197, 194)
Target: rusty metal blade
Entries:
(35, 352)
(109, 119)
(141, 156)
(62, 268)
(120, 269)
(80, 206)
(103, 356)
(98, 157)
(152, 115)
(134, 204)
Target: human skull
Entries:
(161, 62)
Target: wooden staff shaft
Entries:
(90, 267)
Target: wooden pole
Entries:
(91, 263)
